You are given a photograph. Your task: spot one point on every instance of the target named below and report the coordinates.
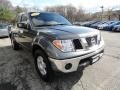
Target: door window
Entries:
(24, 18)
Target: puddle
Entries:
(7, 86)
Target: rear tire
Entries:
(43, 66)
(15, 45)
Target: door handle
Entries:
(20, 31)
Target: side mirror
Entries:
(22, 25)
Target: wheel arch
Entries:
(35, 47)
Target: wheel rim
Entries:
(41, 65)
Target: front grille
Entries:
(85, 43)
(77, 44)
(91, 41)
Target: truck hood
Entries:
(69, 31)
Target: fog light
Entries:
(68, 66)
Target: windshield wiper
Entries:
(61, 24)
(42, 25)
(50, 25)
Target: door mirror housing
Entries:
(22, 25)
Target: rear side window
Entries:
(18, 18)
(24, 18)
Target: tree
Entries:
(80, 15)
(18, 9)
(5, 4)
(110, 13)
(68, 11)
(6, 14)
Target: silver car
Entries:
(3, 30)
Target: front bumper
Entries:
(59, 65)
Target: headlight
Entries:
(99, 36)
(64, 45)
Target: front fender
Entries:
(46, 45)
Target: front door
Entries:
(25, 35)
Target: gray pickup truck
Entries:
(55, 43)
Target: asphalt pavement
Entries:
(17, 70)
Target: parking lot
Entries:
(17, 69)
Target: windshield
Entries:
(2, 26)
(48, 19)
(110, 22)
(115, 23)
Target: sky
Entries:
(87, 5)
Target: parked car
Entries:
(110, 26)
(97, 24)
(116, 28)
(105, 25)
(3, 30)
(85, 23)
(77, 23)
(55, 43)
(89, 23)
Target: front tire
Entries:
(43, 66)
